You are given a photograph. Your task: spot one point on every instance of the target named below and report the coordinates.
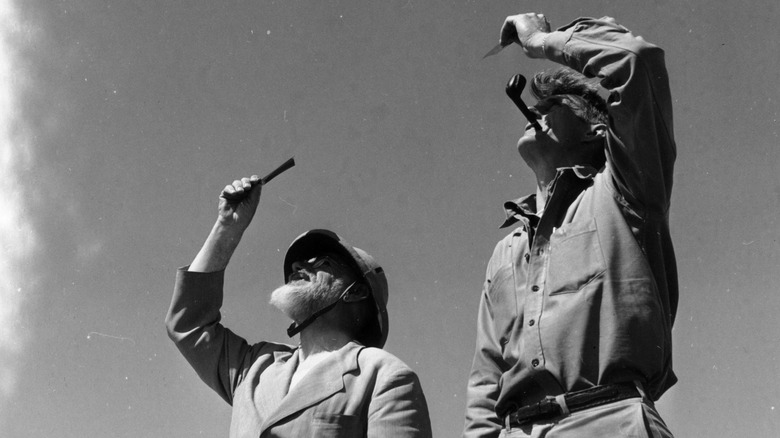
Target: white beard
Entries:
(299, 300)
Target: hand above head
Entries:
(528, 30)
(237, 205)
(238, 202)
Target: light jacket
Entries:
(357, 391)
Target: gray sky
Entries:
(122, 120)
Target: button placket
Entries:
(535, 300)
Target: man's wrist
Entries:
(218, 248)
(227, 232)
(537, 45)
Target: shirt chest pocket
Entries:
(576, 258)
(336, 425)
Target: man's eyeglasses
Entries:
(326, 261)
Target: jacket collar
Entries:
(319, 383)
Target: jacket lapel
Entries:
(322, 381)
(274, 382)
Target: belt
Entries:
(564, 404)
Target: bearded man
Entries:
(338, 382)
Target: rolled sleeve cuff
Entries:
(202, 288)
(554, 44)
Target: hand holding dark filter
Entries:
(238, 201)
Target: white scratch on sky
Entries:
(295, 207)
(103, 335)
(17, 238)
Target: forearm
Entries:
(218, 248)
(602, 48)
(193, 325)
(481, 396)
(483, 387)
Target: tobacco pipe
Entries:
(514, 88)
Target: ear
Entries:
(596, 131)
(358, 293)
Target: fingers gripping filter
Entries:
(317, 242)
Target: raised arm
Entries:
(641, 150)
(216, 354)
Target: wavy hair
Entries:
(584, 100)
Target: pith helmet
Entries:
(317, 242)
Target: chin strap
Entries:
(294, 328)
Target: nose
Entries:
(298, 270)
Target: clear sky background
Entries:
(121, 121)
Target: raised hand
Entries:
(238, 202)
(528, 30)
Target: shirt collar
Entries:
(525, 208)
(518, 209)
(582, 172)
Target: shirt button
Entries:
(531, 323)
(527, 257)
(535, 363)
(535, 288)
(541, 251)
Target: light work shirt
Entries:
(587, 293)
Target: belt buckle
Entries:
(549, 406)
